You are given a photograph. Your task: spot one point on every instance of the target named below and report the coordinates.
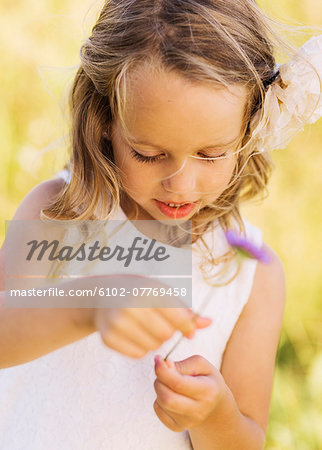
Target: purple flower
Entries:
(246, 248)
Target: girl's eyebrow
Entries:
(204, 147)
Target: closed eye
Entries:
(152, 159)
(212, 159)
(145, 159)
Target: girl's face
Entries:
(170, 120)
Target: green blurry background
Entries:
(39, 48)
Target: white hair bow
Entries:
(293, 101)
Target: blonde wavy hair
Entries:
(221, 42)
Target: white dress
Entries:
(87, 396)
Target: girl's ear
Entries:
(107, 133)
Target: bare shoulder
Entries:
(249, 359)
(41, 196)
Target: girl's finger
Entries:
(202, 322)
(121, 344)
(172, 401)
(195, 365)
(165, 418)
(153, 322)
(183, 319)
(194, 387)
(127, 325)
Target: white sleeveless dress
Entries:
(87, 396)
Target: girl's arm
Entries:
(241, 420)
(27, 333)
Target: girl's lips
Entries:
(175, 212)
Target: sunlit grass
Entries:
(37, 34)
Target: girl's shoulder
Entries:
(40, 197)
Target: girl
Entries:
(173, 108)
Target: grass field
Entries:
(39, 44)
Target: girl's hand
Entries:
(188, 391)
(134, 331)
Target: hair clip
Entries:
(276, 75)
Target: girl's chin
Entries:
(142, 213)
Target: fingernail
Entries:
(162, 362)
(159, 361)
(205, 319)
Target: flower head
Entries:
(245, 248)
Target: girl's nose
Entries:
(182, 180)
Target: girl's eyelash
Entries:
(208, 160)
(152, 159)
(145, 159)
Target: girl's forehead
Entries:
(167, 106)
